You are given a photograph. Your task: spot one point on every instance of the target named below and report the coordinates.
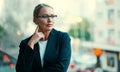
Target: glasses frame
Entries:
(46, 16)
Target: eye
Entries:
(44, 16)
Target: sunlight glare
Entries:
(1, 6)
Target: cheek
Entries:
(42, 22)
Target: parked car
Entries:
(82, 63)
(7, 62)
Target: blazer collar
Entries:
(49, 46)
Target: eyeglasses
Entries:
(47, 16)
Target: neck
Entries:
(46, 35)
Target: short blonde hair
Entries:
(38, 7)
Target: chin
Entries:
(49, 29)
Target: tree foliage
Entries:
(2, 32)
(80, 30)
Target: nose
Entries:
(50, 19)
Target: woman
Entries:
(47, 50)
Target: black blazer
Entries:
(56, 59)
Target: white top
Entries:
(42, 49)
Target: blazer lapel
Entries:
(37, 55)
(50, 45)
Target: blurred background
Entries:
(93, 26)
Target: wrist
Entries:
(30, 44)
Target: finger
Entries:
(41, 29)
(36, 30)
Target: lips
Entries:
(49, 25)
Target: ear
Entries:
(35, 20)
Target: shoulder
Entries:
(60, 34)
(24, 45)
(25, 41)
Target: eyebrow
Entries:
(47, 14)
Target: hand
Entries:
(35, 38)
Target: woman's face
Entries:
(45, 19)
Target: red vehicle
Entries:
(7, 62)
